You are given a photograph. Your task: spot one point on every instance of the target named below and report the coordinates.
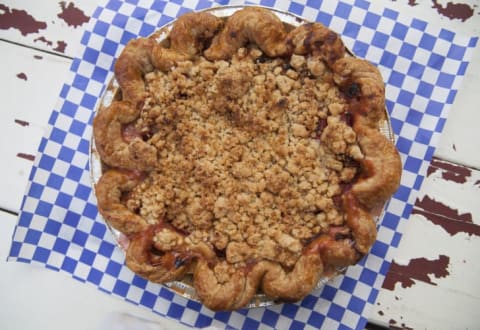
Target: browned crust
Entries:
(187, 39)
(364, 87)
(381, 168)
(130, 68)
(252, 24)
(109, 191)
(159, 252)
(316, 39)
(111, 145)
(164, 267)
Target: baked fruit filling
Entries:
(245, 152)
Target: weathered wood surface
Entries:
(432, 281)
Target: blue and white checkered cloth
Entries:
(59, 226)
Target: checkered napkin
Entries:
(59, 225)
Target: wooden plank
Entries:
(427, 307)
(34, 297)
(31, 82)
(436, 266)
(458, 141)
(55, 26)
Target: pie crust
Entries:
(245, 152)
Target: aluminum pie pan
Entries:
(112, 92)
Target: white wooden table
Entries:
(433, 281)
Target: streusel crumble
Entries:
(250, 151)
(246, 153)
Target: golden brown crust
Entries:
(364, 87)
(381, 168)
(164, 266)
(109, 191)
(251, 24)
(295, 284)
(360, 221)
(221, 287)
(191, 30)
(187, 39)
(261, 156)
(317, 40)
(131, 66)
(115, 148)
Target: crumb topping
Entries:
(253, 154)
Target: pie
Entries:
(246, 153)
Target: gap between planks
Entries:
(4, 210)
(36, 48)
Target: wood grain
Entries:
(53, 26)
(436, 262)
(31, 82)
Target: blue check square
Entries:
(425, 89)
(343, 10)
(408, 50)
(175, 311)
(63, 200)
(270, 318)
(356, 305)
(95, 276)
(101, 28)
(296, 8)
(351, 30)
(380, 40)
(61, 246)
(121, 288)
(41, 254)
(316, 319)
(428, 41)
(109, 47)
(371, 20)
(43, 209)
(336, 312)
